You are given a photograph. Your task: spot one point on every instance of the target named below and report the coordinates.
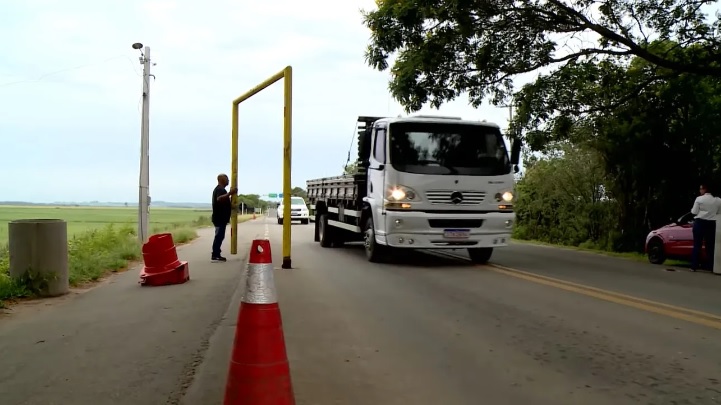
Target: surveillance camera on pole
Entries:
(144, 181)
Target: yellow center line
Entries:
(672, 311)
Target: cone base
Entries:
(259, 372)
(178, 275)
(259, 385)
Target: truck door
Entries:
(376, 178)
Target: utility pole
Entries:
(508, 134)
(144, 181)
(510, 112)
(510, 118)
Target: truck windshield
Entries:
(297, 201)
(440, 148)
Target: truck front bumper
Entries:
(413, 230)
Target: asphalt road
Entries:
(549, 327)
(538, 326)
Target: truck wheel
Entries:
(280, 221)
(374, 251)
(480, 255)
(325, 232)
(304, 221)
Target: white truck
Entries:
(298, 211)
(423, 182)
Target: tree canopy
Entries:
(447, 47)
(299, 192)
(252, 201)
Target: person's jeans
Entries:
(704, 233)
(218, 239)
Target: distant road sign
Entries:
(273, 195)
(280, 195)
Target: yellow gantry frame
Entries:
(286, 74)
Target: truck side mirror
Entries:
(516, 151)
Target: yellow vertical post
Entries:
(234, 182)
(287, 156)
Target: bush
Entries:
(94, 254)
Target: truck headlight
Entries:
(506, 196)
(401, 193)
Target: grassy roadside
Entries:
(96, 253)
(637, 257)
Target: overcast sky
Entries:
(70, 91)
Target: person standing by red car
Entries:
(706, 209)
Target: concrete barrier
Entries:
(39, 254)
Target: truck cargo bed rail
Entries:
(332, 188)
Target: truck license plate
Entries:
(456, 233)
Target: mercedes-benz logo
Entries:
(456, 197)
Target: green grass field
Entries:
(101, 240)
(82, 219)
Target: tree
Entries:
(655, 147)
(562, 199)
(350, 168)
(299, 192)
(252, 201)
(658, 148)
(447, 47)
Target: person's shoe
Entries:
(218, 259)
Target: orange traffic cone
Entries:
(259, 372)
(162, 266)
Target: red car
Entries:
(673, 241)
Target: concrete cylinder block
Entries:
(39, 253)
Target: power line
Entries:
(70, 69)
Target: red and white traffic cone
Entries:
(259, 372)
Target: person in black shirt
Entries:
(221, 214)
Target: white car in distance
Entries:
(298, 211)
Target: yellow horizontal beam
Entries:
(257, 89)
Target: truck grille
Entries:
(443, 197)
